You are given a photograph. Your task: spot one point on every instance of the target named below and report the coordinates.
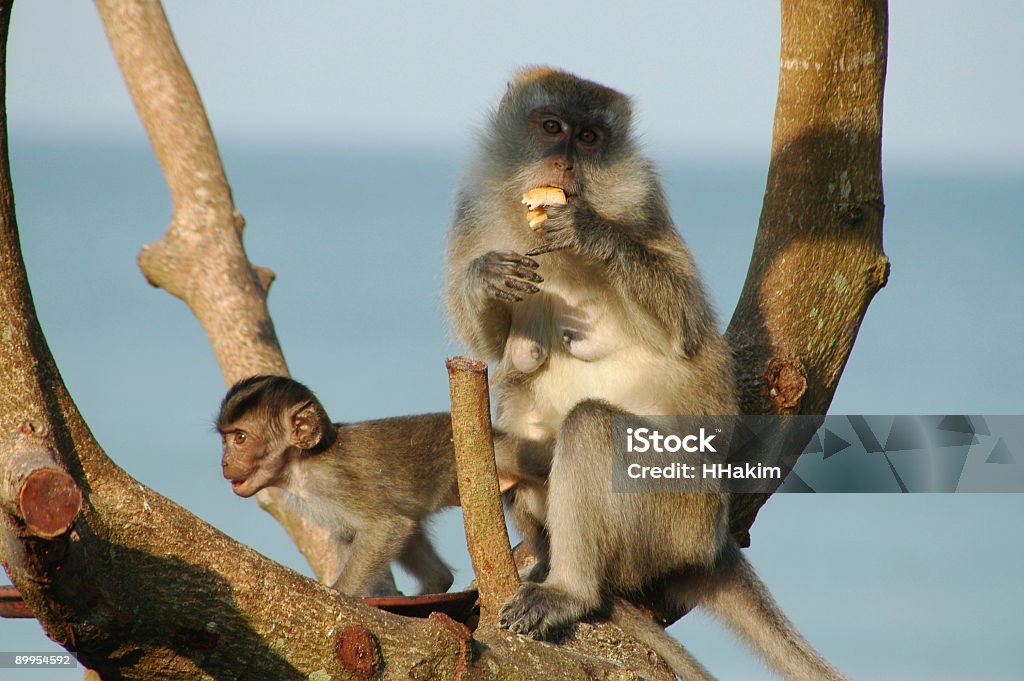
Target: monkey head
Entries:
(265, 422)
(555, 129)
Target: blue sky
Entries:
(420, 74)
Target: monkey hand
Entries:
(560, 230)
(541, 611)
(506, 275)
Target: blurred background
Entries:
(342, 128)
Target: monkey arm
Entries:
(646, 261)
(479, 321)
(481, 286)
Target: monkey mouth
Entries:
(570, 189)
(238, 484)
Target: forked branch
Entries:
(201, 259)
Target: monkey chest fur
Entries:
(577, 340)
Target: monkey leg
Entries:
(371, 552)
(423, 563)
(385, 586)
(578, 501)
(528, 510)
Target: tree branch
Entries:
(201, 259)
(486, 535)
(818, 258)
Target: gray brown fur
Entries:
(372, 483)
(603, 313)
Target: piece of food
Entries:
(536, 217)
(543, 196)
(537, 200)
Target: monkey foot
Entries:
(541, 610)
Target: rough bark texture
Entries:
(484, 517)
(201, 259)
(818, 259)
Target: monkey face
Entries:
(250, 461)
(554, 129)
(565, 142)
(264, 423)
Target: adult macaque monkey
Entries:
(373, 483)
(598, 310)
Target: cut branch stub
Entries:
(787, 383)
(461, 633)
(357, 650)
(34, 487)
(482, 511)
(12, 605)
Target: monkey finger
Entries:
(517, 618)
(554, 210)
(522, 273)
(555, 240)
(511, 257)
(501, 294)
(547, 248)
(519, 285)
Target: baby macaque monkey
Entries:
(592, 307)
(373, 483)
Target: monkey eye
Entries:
(240, 437)
(552, 127)
(587, 136)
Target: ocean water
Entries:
(887, 586)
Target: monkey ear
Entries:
(305, 427)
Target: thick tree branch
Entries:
(818, 258)
(201, 259)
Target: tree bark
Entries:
(818, 258)
(482, 511)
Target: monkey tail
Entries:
(743, 601)
(648, 632)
